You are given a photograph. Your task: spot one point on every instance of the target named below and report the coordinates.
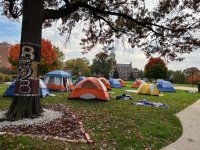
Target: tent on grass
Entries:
(44, 91)
(137, 83)
(165, 86)
(79, 79)
(58, 80)
(148, 89)
(114, 83)
(105, 82)
(90, 88)
(123, 84)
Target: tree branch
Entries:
(143, 24)
(64, 11)
(11, 5)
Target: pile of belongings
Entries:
(123, 97)
(191, 91)
(148, 103)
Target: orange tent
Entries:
(105, 82)
(137, 84)
(122, 82)
(90, 88)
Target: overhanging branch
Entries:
(12, 10)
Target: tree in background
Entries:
(49, 58)
(169, 75)
(141, 74)
(79, 66)
(191, 74)
(159, 30)
(131, 77)
(194, 79)
(178, 77)
(116, 74)
(60, 57)
(101, 64)
(155, 68)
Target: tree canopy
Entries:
(192, 75)
(167, 27)
(155, 68)
(178, 77)
(101, 64)
(60, 57)
(115, 74)
(79, 66)
(49, 57)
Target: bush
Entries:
(178, 77)
(8, 78)
(2, 77)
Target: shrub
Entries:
(8, 78)
(2, 77)
(178, 77)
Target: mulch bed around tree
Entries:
(67, 128)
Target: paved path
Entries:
(186, 88)
(190, 120)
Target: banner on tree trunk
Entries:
(27, 82)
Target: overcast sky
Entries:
(10, 32)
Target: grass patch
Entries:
(116, 124)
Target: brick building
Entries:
(4, 50)
(124, 70)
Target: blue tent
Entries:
(79, 79)
(165, 86)
(58, 80)
(59, 73)
(10, 91)
(114, 83)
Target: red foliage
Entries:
(154, 61)
(48, 55)
(14, 53)
(196, 78)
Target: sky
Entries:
(10, 32)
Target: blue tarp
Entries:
(59, 73)
(148, 103)
(10, 91)
(114, 83)
(165, 86)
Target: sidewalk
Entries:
(186, 88)
(190, 120)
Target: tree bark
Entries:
(26, 102)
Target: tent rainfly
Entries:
(79, 79)
(123, 84)
(105, 82)
(114, 83)
(137, 83)
(58, 80)
(148, 89)
(44, 91)
(90, 88)
(165, 86)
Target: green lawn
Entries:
(187, 85)
(115, 124)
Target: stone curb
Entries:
(85, 134)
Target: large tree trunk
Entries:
(26, 102)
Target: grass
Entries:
(186, 85)
(115, 124)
